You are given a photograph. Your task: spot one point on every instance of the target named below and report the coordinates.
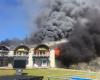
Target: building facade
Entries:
(38, 56)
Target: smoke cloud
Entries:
(32, 9)
(75, 20)
(60, 17)
(84, 42)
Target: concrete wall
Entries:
(52, 59)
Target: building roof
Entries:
(51, 45)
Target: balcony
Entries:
(3, 53)
(41, 55)
(21, 54)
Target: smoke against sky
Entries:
(60, 17)
(19, 16)
(76, 20)
(33, 8)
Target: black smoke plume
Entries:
(84, 42)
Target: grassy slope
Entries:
(49, 72)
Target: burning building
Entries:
(38, 56)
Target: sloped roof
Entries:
(4, 48)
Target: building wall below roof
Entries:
(49, 63)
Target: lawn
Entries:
(51, 72)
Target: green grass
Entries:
(50, 72)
